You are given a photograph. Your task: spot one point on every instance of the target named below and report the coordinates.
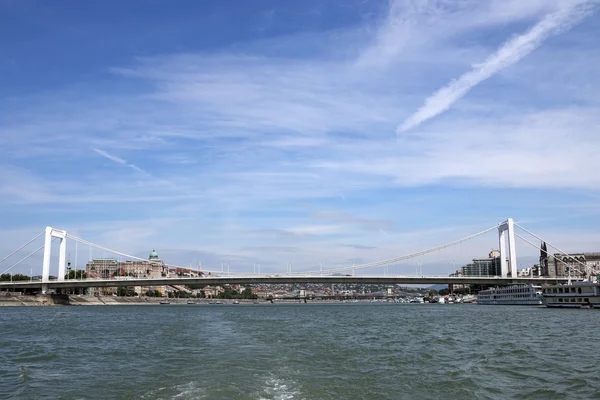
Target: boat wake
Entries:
(278, 389)
(191, 390)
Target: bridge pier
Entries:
(302, 295)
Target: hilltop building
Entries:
(107, 268)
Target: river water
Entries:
(299, 351)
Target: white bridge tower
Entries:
(62, 255)
(507, 226)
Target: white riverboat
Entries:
(575, 295)
(520, 295)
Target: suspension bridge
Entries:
(111, 272)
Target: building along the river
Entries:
(107, 268)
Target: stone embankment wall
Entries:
(16, 299)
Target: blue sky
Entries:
(299, 132)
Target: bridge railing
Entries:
(267, 277)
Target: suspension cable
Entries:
(22, 246)
(535, 245)
(25, 258)
(409, 256)
(361, 266)
(551, 245)
(85, 242)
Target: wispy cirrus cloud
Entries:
(360, 246)
(252, 134)
(410, 27)
(350, 219)
(519, 150)
(568, 14)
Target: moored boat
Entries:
(575, 295)
(468, 298)
(521, 295)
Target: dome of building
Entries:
(153, 255)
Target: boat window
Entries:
(560, 300)
(579, 290)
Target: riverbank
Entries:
(8, 299)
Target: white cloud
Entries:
(260, 141)
(509, 53)
(412, 26)
(549, 149)
(277, 100)
(17, 183)
(321, 230)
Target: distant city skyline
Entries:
(302, 133)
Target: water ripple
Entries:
(282, 352)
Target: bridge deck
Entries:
(246, 280)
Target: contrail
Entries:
(120, 161)
(508, 54)
(132, 166)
